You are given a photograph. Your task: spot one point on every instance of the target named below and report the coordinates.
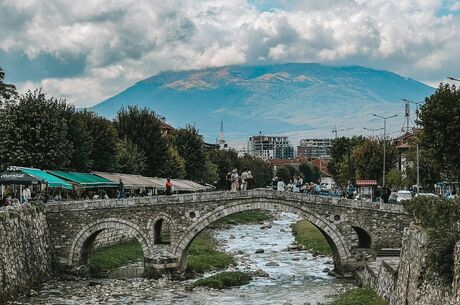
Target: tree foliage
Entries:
(175, 164)
(35, 133)
(7, 91)
(261, 171)
(368, 158)
(342, 166)
(189, 145)
(225, 160)
(440, 135)
(143, 128)
(130, 158)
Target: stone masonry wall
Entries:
(109, 237)
(404, 286)
(25, 255)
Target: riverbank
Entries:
(310, 237)
(359, 296)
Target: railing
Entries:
(221, 196)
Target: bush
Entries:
(225, 280)
(359, 296)
(439, 217)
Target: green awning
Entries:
(84, 180)
(52, 181)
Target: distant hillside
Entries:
(284, 98)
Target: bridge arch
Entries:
(337, 242)
(156, 227)
(81, 245)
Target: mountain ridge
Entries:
(278, 98)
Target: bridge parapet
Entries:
(220, 196)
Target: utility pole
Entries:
(416, 145)
(384, 118)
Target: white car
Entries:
(403, 195)
(426, 195)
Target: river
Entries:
(295, 277)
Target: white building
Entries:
(267, 147)
(315, 148)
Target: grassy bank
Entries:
(225, 280)
(247, 217)
(109, 258)
(203, 256)
(359, 296)
(308, 235)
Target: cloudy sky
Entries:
(89, 50)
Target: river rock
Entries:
(272, 264)
(287, 303)
(260, 273)
(260, 251)
(296, 258)
(326, 270)
(231, 236)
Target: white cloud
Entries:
(125, 41)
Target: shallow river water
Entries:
(295, 277)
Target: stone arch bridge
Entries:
(349, 226)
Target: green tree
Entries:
(440, 135)
(79, 135)
(189, 145)
(226, 160)
(341, 165)
(394, 178)
(143, 128)
(130, 158)
(211, 172)
(368, 158)
(282, 172)
(35, 133)
(260, 170)
(175, 164)
(7, 91)
(105, 139)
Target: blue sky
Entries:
(89, 50)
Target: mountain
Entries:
(294, 99)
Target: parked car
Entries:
(426, 195)
(403, 195)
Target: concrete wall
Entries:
(405, 285)
(25, 256)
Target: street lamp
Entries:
(372, 129)
(384, 118)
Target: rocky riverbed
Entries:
(283, 276)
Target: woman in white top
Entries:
(280, 185)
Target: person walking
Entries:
(280, 185)
(244, 180)
(234, 179)
(121, 190)
(169, 186)
(250, 181)
(350, 190)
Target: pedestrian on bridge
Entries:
(235, 179)
(169, 186)
(121, 190)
